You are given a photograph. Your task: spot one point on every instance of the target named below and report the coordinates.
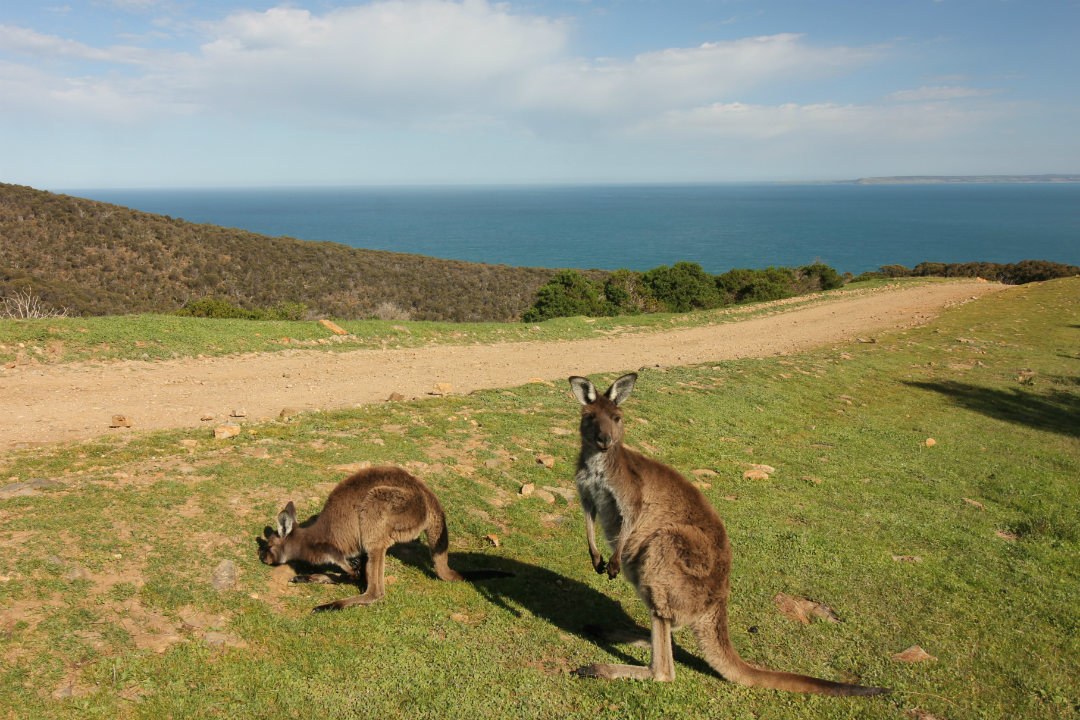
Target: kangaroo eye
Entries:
(618, 419)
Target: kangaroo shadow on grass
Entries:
(1055, 411)
(570, 605)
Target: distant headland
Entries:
(941, 179)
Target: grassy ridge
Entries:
(94, 258)
(118, 554)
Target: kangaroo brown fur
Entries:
(364, 515)
(671, 545)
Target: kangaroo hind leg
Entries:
(376, 563)
(662, 667)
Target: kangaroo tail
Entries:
(439, 541)
(712, 635)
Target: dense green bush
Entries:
(628, 293)
(566, 294)
(683, 286)
(745, 285)
(826, 277)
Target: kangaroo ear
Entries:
(620, 389)
(583, 390)
(286, 520)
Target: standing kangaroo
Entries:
(364, 515)
(671, 544)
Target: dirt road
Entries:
(42, 404)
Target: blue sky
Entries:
(191, 93)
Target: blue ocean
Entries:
(850, 227)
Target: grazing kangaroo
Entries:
(672, 546)
(364, 515)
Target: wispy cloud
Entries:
(939, 92)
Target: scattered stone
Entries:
(545, 496)
(205, 417)
(810, 479)
(120, 421)
(492, 463)
(216, 639)
(76, 573)
(731, 498)
(931, 442)
(755, 475)
(227, 430)
(913, 654)
(702, 485)
(527, 489)
(546, 460)
(333, 327)
(907, 558)
(567, 494)
(703, 473)
(442, 388)
(1004, 535)
(395, 397)
(976, 503)
(493, 539)
(238, 413)
(767, 469)
(288, 413)
(802, 609)
(224, 577)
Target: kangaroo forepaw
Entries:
(612, 570)
(600, 566)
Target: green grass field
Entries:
(968, 547)
(157, 337)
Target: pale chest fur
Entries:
(594, 490)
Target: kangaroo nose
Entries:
(603, 441)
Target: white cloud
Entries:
(939, 92)
(24, 41)
(851, 123)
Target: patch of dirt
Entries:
(72, 402)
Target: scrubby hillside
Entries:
(94, 258)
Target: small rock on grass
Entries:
(120, 421)
(224, 577)
(802, 609)
(913, 654)
(227, 430)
